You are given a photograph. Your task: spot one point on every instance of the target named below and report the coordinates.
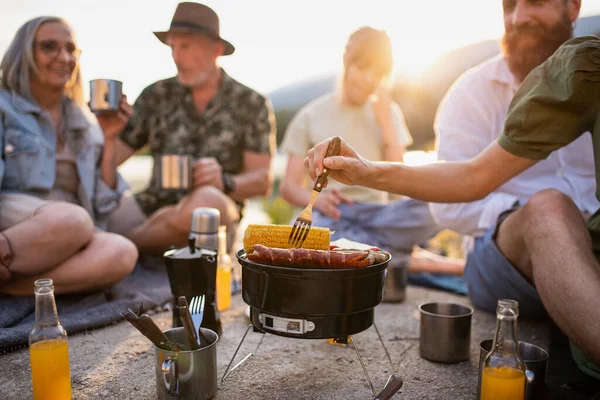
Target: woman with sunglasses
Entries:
(58, 178)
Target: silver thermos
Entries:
(204, 229)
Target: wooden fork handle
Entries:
(188, 327)
(334, 149)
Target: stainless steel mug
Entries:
(536, 361)
(396, 279)
(105, 95)
(175, 172)
(445, 332)
(188, 375)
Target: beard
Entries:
(199, 79)
(523, 58)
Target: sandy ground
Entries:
(117, 362)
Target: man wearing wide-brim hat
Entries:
(227, 128)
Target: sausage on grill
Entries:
(336, 258)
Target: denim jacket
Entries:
(28, 163)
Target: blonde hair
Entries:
(370, 46)
(18, 62)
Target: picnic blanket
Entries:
(148, 284)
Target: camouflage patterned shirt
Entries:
(165, 117)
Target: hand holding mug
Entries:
(208, 171)
(112, 123)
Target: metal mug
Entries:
(445, 332)
(536, 361)
(396, 278)
(175, 172)
(187, 375)
(105, 95)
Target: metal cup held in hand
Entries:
(175, 172)
(187, 375)
(536, 361)
(105, 95)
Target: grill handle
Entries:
(392, 386)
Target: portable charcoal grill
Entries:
(307, 303)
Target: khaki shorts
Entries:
(17, 207)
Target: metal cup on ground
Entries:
(175, 172)
(186, 375)
(445, 332)
(105, 95)
(536, 360)
(396, 279)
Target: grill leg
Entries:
(385, 349)
(362, 364)
(227, 371)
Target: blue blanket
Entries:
(148, 284)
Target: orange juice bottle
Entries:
(48, 348)
(503, 370)
(502, 383)
(224, 267)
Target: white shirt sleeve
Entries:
(463, 128)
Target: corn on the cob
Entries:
(278, 235)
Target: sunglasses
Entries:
(52, 48)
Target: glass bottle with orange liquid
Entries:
(503, 370)
(224, 267)
(48, 348)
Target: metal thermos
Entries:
(204, 229)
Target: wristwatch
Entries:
(228, 183)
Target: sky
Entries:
(277, 41)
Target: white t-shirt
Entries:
(326, 117)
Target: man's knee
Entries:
(208, 196)
(550, 201)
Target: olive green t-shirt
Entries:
(557, 103)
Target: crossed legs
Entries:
(60, 242)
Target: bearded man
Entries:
(471, 117)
